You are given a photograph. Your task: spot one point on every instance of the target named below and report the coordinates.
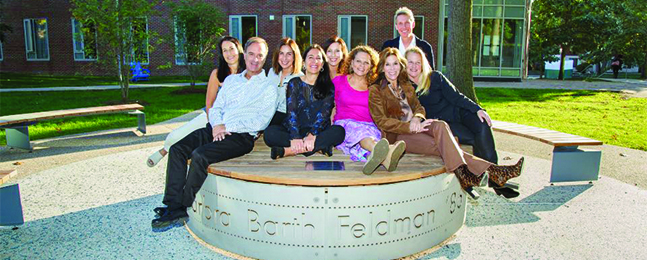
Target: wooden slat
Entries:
(550, 137)
(5, 175)
(47, 115)
(257, 166)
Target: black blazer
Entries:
(443, 101)
(422, 44)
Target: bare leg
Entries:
(368, 143)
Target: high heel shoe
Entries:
(500, 174)
(468, 180)
(506, 192)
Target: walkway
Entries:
(91, 196)
(101, 87)
(631, 86)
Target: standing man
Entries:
(244, 106)
(405, 23)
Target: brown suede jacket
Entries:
(386, 110)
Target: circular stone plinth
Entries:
(277, 221)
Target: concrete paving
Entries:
(91, 196)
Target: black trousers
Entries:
(198, 146)
(471, 131)
(279, 136)
(278, 118)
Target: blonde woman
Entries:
(467, 120)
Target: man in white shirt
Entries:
(244, 106)
(404, 23)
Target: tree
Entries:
(197, 26)
(122, 32)
(459, 47)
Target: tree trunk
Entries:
(459, 47)
(643, 73)
(561, 64)
(525, 53)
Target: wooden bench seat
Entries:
(257, 166)
(17, 125)
(570, 163)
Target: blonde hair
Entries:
(373, 57)
(424, 82)
(403, 78)
(404, 10)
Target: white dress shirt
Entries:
(282, 88)
(403, 49)
(244, 105)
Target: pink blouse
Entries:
(350, 103)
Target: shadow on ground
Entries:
(493, 210)
(77, 143)
(116, 231)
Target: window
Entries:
(353, 29)
(187, 41)
(1, 57)
(36, 39)
(139, 39)
(84, 40)
(243, 27)
(299, 28)
(419, 30)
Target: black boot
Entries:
(506, 192)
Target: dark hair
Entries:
(344, 49)
(323, 84)
(223, 67)
(296, 63)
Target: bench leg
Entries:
(10, 206)
(574, 164)
(18, 137)
(141, 120)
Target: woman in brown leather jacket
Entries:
(399, 115)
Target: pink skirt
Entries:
(355, 132)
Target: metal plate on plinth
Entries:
(269, 221)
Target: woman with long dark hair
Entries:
(230, 61)
(286, 64)
(336, 52)
(310, 99)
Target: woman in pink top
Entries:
(363, 140)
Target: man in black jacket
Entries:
(405, 22)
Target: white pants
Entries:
(176, 135)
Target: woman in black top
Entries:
(310, 99)
(467, 120)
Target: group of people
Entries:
(372, 107)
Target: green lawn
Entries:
(160, 105)
(15, 80)
(606, 116)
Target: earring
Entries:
(321, 70)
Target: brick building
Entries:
(43, 39)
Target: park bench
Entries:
(17, 125)
(569, 163)
(138, 72)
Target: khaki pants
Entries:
(439, 141)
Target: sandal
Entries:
(154, 159)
